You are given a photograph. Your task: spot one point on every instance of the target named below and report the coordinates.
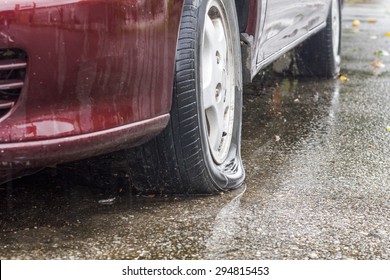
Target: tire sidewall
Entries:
(336, 56)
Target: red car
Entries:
(83, 78)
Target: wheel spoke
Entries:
(220, 43)
(212, 74)
(207, 56)
(215, 120)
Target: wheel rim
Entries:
(218, 90)
(336, 26)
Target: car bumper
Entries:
(25, 155)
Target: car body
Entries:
(83, 78)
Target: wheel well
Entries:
(242, 7)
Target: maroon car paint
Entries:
(92, 65)
(99, 76)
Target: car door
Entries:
(286, 21)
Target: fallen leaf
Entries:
(387, 34)
(378, 64)
(277, 138)
(356, 23)
(372, 20)
(352, 30)
(381, 53)
(343, 78)
(388, 129)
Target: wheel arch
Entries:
(243, 8)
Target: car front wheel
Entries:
(199, 151)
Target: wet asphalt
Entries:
(317, 158)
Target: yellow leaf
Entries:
(377, 64)
(372, 21)
(356, 22)
(387, 34)
(388, 129)
(343, 78)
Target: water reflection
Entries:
(225, 228)
(289, 108)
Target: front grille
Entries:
(13, 64)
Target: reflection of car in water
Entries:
(83, 78)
